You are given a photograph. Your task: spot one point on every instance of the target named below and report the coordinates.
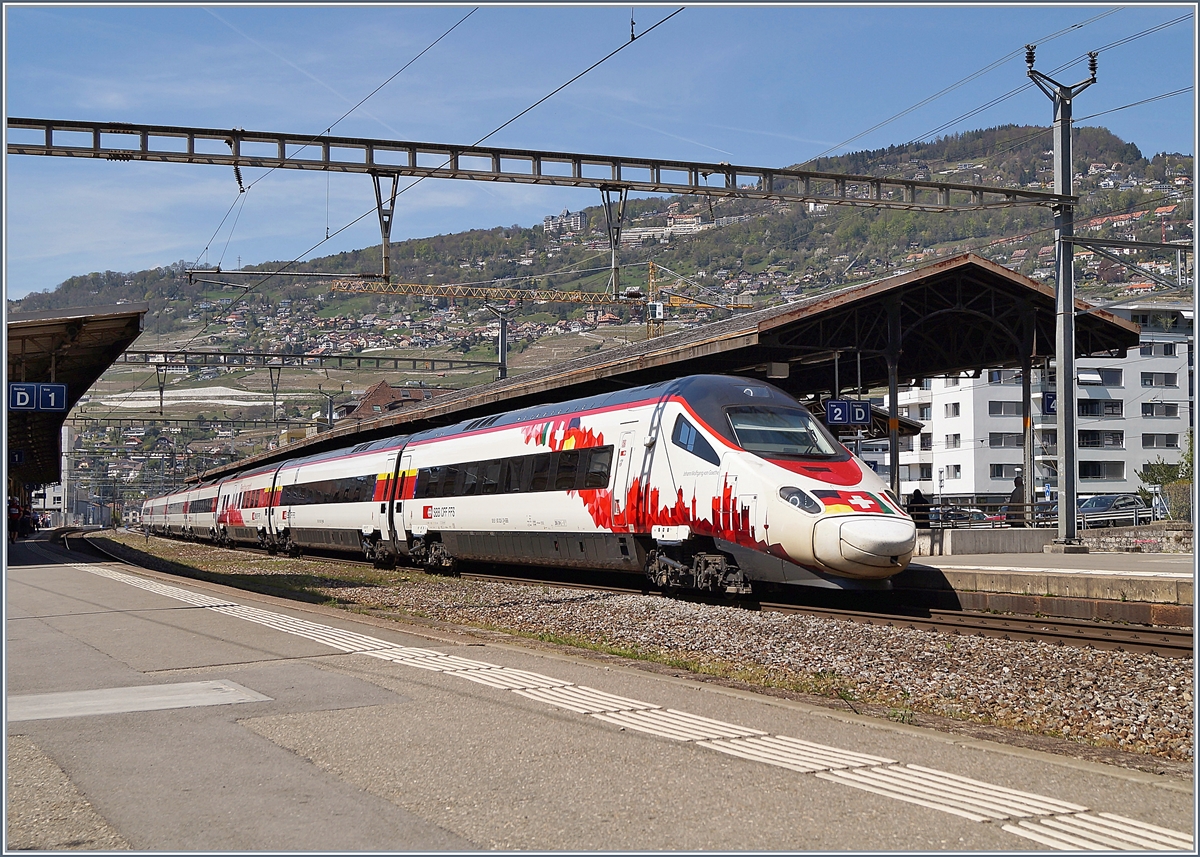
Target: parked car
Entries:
(1114, 510)
(959, 516)
(1104, 510)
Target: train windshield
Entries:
(780, 432)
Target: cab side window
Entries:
(687, 437)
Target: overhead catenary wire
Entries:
(243, 189)
(365, 98)
(1018, 142)
(1001, 98)
(973, 76)
(251, 288)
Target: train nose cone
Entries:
(868, 546)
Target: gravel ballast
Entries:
(1139, 703)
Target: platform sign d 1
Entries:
(37, 397)
(837, 412)
(860, 413)
(22, 397)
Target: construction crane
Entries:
(632, 296)
(660, 299)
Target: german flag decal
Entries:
(852, 501)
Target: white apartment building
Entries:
(1131, 411)
(568, 221)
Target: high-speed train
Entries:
(708, 481)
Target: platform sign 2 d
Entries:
(847, 412)
(37, 397)
(837, 412)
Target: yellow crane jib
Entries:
(631, 296)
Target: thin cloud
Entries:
(629, 121)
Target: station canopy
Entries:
(963, 314)
(66, 346)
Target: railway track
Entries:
(1165, 642)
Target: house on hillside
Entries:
(383, 397)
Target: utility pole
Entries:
(1064, 299)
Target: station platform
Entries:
(1150, 588)
(155, 713)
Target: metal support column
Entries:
(1027, 428)
(160, 373)
(614, 220)
(893, 367)
(1064, 338)
(274, 372)
(502, 344)
(385, 218)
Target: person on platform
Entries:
(1015, 516)
(918, 507)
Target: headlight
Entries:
(801, 500)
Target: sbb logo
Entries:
(427, 512)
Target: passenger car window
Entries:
(564, 474)
(687, 437)
(599, 462)
(539, 479)
(491, 477)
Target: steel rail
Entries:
(236, 147)
(1167, 642)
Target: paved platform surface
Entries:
(1159, 587)
(158, 714)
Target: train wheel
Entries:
(440, 561)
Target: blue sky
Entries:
(756, 85)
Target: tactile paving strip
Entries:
(793, 754)
(1101, 832)
(669, 723)
(959, 796)
(584, 700)
(196, 599)
(504, 678)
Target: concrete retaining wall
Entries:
(1159, 537)
(976, 541)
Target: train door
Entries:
(273, 517)
(284, 510)
(405, 474)
(385, 487)
(624, 466)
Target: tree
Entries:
(1156, 473)
(1184, 473)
